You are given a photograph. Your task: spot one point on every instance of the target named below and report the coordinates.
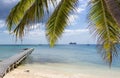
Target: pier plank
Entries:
(12, 62)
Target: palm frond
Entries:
(105, 28)
(17, 13)
(114, 9)
(28, 18)
(34, 13)
(58, 20)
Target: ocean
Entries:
(71, 54)
(69, 58)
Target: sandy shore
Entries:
(39, 71)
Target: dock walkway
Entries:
(12, 62)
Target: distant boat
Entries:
(72, 43)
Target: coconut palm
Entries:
(104, 21)
(104, 24)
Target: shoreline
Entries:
(43, 71)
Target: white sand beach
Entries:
(41, 71)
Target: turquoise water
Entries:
(60, 54)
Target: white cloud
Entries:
(82, 5)
(76, 31)
(6, 32)
(2, 23)
(72, 19)
(79, 35)
(37, 33)
(10, 1)
(38, 26)
(36, 36)
(79, 10)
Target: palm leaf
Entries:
(58, 20)
(32, 15)
(114, 9)
(105, 28)
(18, 12)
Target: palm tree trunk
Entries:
(114, 9)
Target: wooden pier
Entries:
(12, 62)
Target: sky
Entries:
(76, 31)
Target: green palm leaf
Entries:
(32, 15)
(105, 28)
(59, 19)
(114, 9)
(18, 12)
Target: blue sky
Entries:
(76, 31)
